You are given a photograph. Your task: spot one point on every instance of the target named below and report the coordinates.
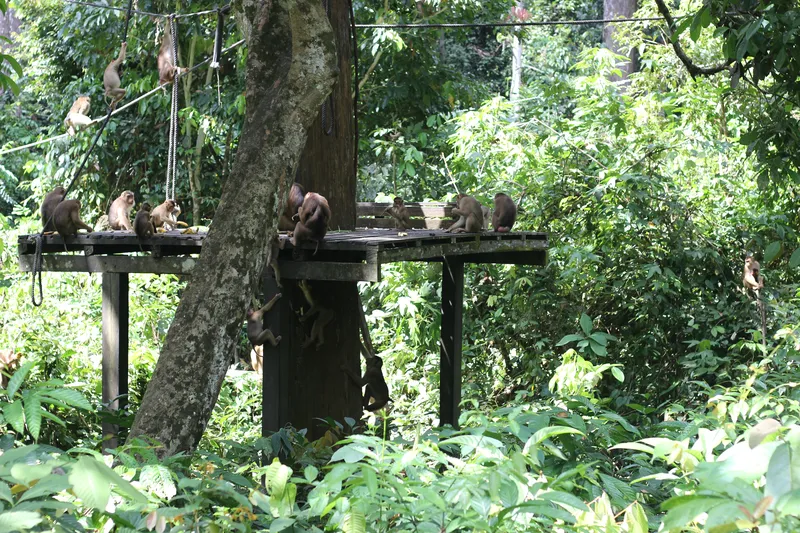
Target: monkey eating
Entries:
(313, 224)
(256, 332)
(471, 215)
(399, 212)
(751, 277)
(119, 214)
(111, 80)
(67, 218)
(376, 388)
(49, 205)
(142, 224)
(77, 115)
(164, 218)
(505, 213)
(325, 316)
(293, 203)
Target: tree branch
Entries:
(694, 70)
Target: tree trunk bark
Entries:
(620, 9)
(290, 70)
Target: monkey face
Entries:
(398, 201)
(129, 198)
(146, 207)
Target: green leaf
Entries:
(635, 519)
(18, 521)
(617, 373)
(773, 251)
(783, 473)
(18, 377)
(348, 454)
(564, 498)
(586, 324)
(794, 261)
(13, 414)
(33, 414)
(683, 510)
(597, 348)
(158, 480)
(696, 28)
(546, 433)
(354, 522)
(51, 484)
(570, 338)
(70, 397)
(281, 524)
(310, 472)
(91, 481)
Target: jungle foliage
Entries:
(624, 387)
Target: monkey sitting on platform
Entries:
(49, 205)
(470, 216)
(399, 212)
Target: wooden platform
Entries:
(342, 256)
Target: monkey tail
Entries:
(503, 229)
(378, 405)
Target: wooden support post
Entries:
(450, 343)
(275, 366)
(115, 349)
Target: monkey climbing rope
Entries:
(37, 260)
(169, 188)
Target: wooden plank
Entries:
(416, 223)
(475, 248)
(112, 242)
(450, 342)
(115, 349)
(111, 264)
(415, 209)
(329, 271)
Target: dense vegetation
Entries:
(619, 388)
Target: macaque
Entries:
(293, 203)
(67, 218)
(172, 221)
(275, 249)
(505, 213)
(325, 316)
(165, 216)
(752, 278)
(9, 362)
(376, 388)
(313, 224)
(111, 80)
(470, 213)
(77, 115)
(256, 332)
(399, 212)
(119, 214)
(166, 68)
(142, 224)
(49, 205)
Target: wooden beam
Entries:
(115, 349)
(450, 342)
(416, 223)
(477, 249)
(124, 264)
(329, 271)
(415, 209)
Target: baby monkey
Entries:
(505, 213)
(376, 388)
(256, 332)
(399, 212)
(119, 214)
(471, 215)
(111, 80)
(142, 224)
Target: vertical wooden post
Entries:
(275, 366)
(115, 349)
(450, 343)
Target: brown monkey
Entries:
(313, 224)
(49, 205)
(325, 316)
(162, 213)
(166, 68)
(374, 382)
(77, 115)
(399, 212)
(172, 221)
(119, 214)
(505, 213)
(256, 332)
(111, 80)
(471, 221)
(67, 218)
(293, 203)
(142, 224)
(751, 277)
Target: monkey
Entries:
(399, 212)
(505, 213)
(374, 382)
(313, 224)
(751, 277)
(469, 209)
(256, 332)
(275, 247)
(49, 205)
(111, 80)
(325, 316)
(172, 221)
(9, 362)
(164, 216)
(67, 218)
(293, 203)
(77, 115)
(119, 214)
(166, 68)
(142, 224)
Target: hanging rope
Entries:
(169, 188)
(355, 93)
(327, 105)
(36, 271)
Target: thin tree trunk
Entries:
(616, 9)
(290, 70)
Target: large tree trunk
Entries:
(620, 9)
(290, 70)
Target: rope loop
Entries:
(37, 271)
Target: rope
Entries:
(506, 24)
(143, 13)
(218, 39)
(355, 93)
(169, 188)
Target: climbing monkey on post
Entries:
(314, 216)
(324, 316)
(111, 80)
(77, 115)
(376, 388)
(257, 334)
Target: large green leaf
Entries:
(13, 414)
(773, 251)
(586, 324)
(33, 413)
(783, 474)
(92, 482)
(18, 378)
(18, 521)
(70, 397)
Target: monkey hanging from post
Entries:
(257, 334)
(294, 201)
(314, 215)
(754, 281)
(323, 314)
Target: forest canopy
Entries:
(633, 383)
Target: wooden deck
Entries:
(342, 256)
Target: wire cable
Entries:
(143, 13)
(506, 24)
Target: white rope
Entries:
(169, 187)
(117, 110)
